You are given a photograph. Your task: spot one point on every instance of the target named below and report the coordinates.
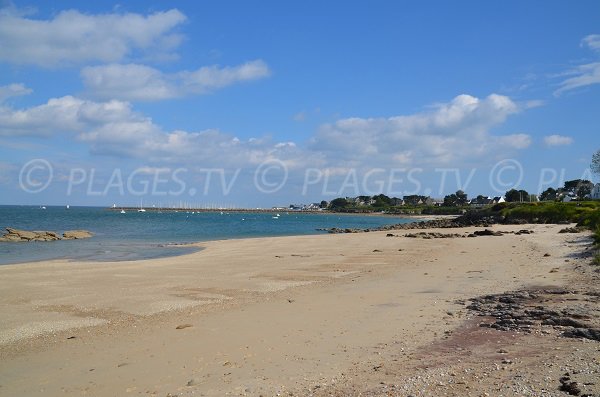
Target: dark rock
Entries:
(487, 232)
(583, 333)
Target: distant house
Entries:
(437, 202)
(595, 193)
(397, 201)
(480, 201)
(312, 207)
(569, 197)
(498, 200)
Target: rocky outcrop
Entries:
(76, 234)
(17, 235)
(468, 219)
(541, 310)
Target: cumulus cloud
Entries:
(13, 90)
(582, 75)
(557, 140)
(133, 82)
(451, 133)
(114, 128)
(72, 37)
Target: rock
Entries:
(21, 234)
(46, 236)
(184, 326)
(25, 235)
(576, 229)
(487, 232)
(583, 333)
(569, 387)
(17, 235)
(76, 234)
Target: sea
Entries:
(153, 234)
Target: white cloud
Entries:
(60, 115)
(557, 140)
(114, 128)
(72, 37)
(134, 82)
(583, 75)
(13, 90)
(451, 133)
(592, 41)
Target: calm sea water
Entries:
(141, 235)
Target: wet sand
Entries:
(307, 315)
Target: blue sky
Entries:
(268, 103)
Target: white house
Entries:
(595, 194)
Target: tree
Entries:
(415, 199)
(549, 194)
(338, 203)
(514, 195)
(595, 166)
(584, 190)
(579, 187)
(323, 204)
(461, 198)
(456, 199)
(450, 200)
(381, 200)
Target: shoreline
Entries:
(249, 307)
(197, 243)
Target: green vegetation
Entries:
(584, 213)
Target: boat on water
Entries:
(123, 212)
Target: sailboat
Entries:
(141, 207)
(123, 211)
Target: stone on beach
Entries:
(17, 235)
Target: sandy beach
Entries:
(345, 314)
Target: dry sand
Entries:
(351, 314)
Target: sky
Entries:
(267, 103)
